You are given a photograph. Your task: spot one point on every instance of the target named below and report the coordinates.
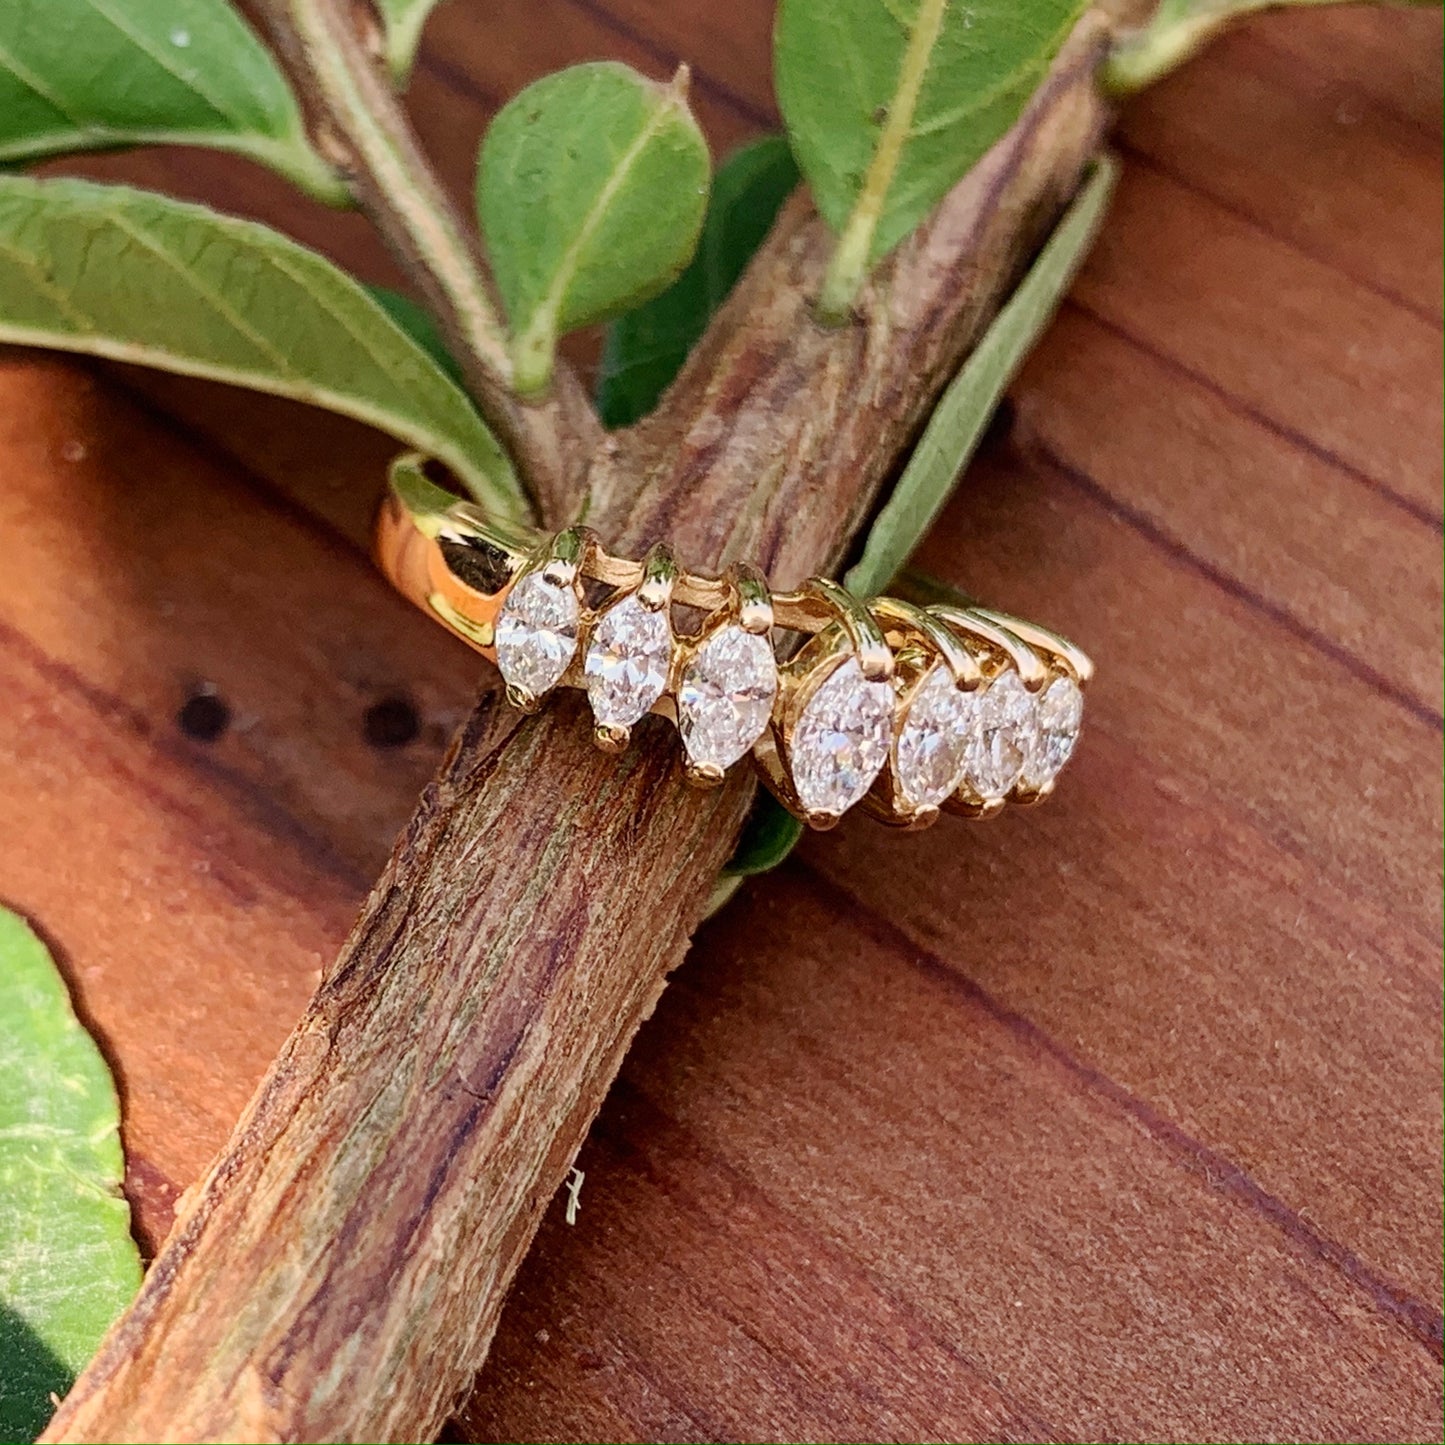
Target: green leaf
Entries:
(403, 20)
(420, 325)
(137, 277)
(68, 1264)
(79, 75)
(769, 835)
(963, 411)
(646, 348)
(591, 190)
(890, 102)
(427, 503)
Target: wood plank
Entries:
(1343, 563)
(190, 581)
(192, 925)
(1357, 377)
(1294, 130)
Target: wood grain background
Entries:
(1118, 1119)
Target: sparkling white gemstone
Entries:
(1059, 713)
(726, 695)
(1004, 735)
(932, 746)
(536, 633)
(841, 740)
(627, 662)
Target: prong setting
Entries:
(908, 708)
(754, 601)
(702, 775)
(659, 576)
(611, 738)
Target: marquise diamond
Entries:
(1004, 735)
(932, 747)
(726, 695)
(841, 740)
(536, 634)
(627, 662)
(1060, 714)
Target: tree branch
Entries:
(360, 126)
(339, 1272)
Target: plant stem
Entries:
(360, 126)
(339, 1272)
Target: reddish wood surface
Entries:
(1118, 1119)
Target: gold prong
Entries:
(521, 699)
(821, 822)
(875, 660)
(957, 658)
(1028, 797)
(565, 555)
(922, 818)
(702, 775)
(754, 601)
(968, 805)
(659, 573)
(1032, 670)
(611, 738)
(1075, 659)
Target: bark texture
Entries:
(338, 1273)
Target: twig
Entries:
(360, 126)
(339, 1272)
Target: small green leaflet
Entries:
(427, 503)
(68, 1264)
(769, 835)
(646, 348)
(964, 409)
(591, 190)
(136, 277)
(420, 325)
(404, 20)
(79, 75)
(890, 102)
(1177, 30)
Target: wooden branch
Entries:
(360, 127)
(339, 1272)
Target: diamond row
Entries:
(945, 716)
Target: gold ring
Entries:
(906, 709)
